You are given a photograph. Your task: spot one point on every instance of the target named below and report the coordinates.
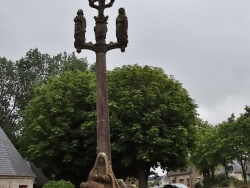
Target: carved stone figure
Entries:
(80, 27)
(122, 28)
(101, 176)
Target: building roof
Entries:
(11, 162)
(40, 179)
(154, 178)
(237, 168)
(188, 170)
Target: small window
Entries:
(248, 177)
(23, 186)
(181, 181)
(230, 169)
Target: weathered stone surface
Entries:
(101, 175)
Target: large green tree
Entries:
(152, 122)
(59, 126)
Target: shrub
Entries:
(225, 183)
(221, 181)
(198, 185)
(235, 182)
(59, 184)
(208, 182)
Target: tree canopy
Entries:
(19, 78)
(206, 156)
(8, 111)
(153, 119)
(59, 126)
(223, 144)
(152, 122)
(235, 136)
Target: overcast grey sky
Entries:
(205, 44)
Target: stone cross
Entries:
(101, 48)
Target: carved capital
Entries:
(101, 47)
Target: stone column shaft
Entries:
(103, 128)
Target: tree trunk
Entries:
(244, 172)
(212, 172)
(143, 178)
(206, 173)
(226, 172)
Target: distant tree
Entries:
(19, 78)
(206, 156)
(8, 110)
(235, 134)
(36, 67)
(243, 140)
(29, 71)
(152, 121)
(223, 143)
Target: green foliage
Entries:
(8, 112)
(236, 182)
(36, 67)
(154, 183)
(207, 153)
(221, 181)
(221, 144)
(59, 126)
(198, 185)
(59, 184)
(152, 120)
(19, 78)
(236, 141)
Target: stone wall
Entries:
(189, 179)
(181, 178)
(16, 182)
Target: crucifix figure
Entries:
(102, 180)
(101, 5)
